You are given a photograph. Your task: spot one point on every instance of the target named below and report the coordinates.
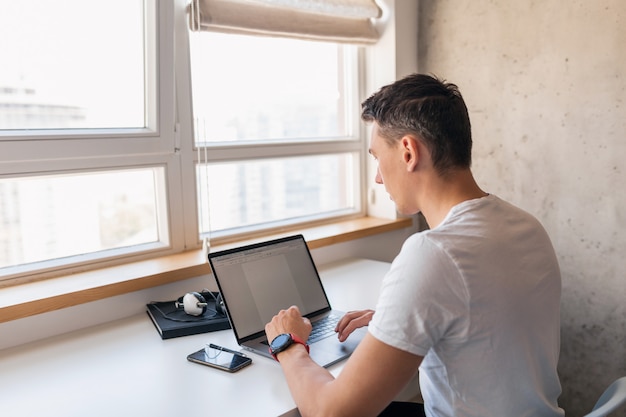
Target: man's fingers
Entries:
(352, 321)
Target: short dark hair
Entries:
(428, 108)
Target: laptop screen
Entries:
(257, 281)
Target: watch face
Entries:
(280, 341)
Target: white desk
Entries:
(123, 368)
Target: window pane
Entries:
(64, 67)
(243, 194)
(256, 88)
(57, 216)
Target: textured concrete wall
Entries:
(545, 83)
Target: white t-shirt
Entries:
(478, 296)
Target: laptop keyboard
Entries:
(323, 328)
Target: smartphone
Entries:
(220, 357)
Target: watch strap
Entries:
(294, 339)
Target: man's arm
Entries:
(373, 375)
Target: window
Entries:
(58, 216)
(59, 71)
(293, 95)
(86, 153)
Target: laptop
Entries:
(257, 281)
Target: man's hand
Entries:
(351, 321)
(288, 321)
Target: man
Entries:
(473, 303)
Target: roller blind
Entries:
(346, 21)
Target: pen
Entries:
(212, 346)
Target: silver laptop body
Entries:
(258, 280)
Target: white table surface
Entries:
(123, 368)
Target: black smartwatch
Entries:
(283, 341)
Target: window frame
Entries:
(242, 151)
(57, 151)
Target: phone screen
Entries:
(220, 359)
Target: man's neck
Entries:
(445, 193)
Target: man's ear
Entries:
(410, 152)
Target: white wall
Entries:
(545, 84)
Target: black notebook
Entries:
(171, 321)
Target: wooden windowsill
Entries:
(57, 293)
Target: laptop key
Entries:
(323, 328)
